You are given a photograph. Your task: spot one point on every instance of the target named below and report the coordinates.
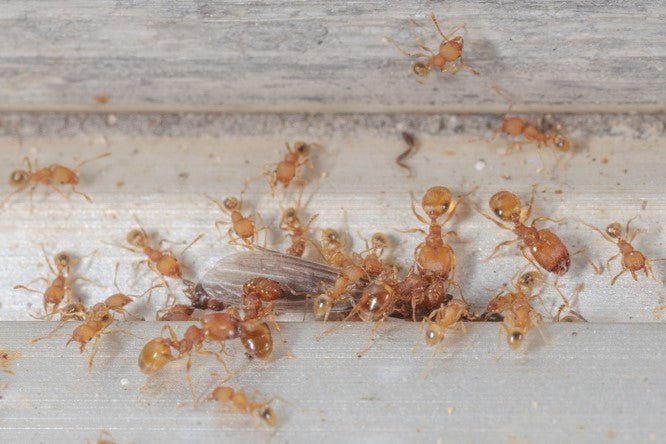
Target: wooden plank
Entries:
(571, 55)
(590, 382)
(167, 168)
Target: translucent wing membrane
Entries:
(226, 279)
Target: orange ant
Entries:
(516, 311)
(162, 262)
(433, 255)
(50, 176)
(156, 353)
(97, 320)
(60, 288)
(546, 248)
(176, 312)
(447, 317)
(554, 137)
(286, 170)
(243, 227)
(632, 259)
(450, 51)
(290, 223)
(425, 293)
(350, 273)
(240, 402)
(371, 261)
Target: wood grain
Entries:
(313, 56)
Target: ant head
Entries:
(614, 230)
(290, 216)
(561, 141)
(268, 415)
(436, 202)
(530, 279)
(506, 206)
(379, 240)
(231, 203)
(420, 69)
(301, 148)
(434, 334)
(515, 338)
(322, 306)
(136, 237)
(62, 260)
(330, 238)
(18, 178)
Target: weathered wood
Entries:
(590, 382)
(165, 179)
(328, 55)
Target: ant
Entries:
(333, 250)
(424, 292)
(447, 317)
(243, 227)
(162, 262)
(290, 223)
(50, 176)
(176, 312)
(515, 309)
(60, 288)
(371, 261)
(433, 255)
(240, 402)
(285, 171)
(97, 320)
(449, 52)
(545, 247)
(156, 353)
(632, 259)
(554, 136)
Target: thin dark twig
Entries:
(412, 146)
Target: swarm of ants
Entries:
(364, 285)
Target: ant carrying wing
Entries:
(301, 277)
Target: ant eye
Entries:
(614, 230)
(17, 177)
(420, 69)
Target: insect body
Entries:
(238, 401)
(544, 246)
(51, 176)
(242, 228)
(286, 170)
(448, 57)
(59, 288)
(446, 317)
(633, 260)
(290, 223)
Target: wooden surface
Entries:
(163, 181)
(589, 383)
(328, 55)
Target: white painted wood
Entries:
(589, 383)
(165, 179)
(328, 55)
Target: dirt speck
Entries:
(6, 358)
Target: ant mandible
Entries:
(449, 52)
(633, 260)
(50, 176)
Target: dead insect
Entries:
(447, 59)
(633, 260)
(51, 176)
(412, 146)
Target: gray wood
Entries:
(588, 383)
(613, 174)
(328, 55)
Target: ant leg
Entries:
(414, 230)
(58, 190)
(453, 234)
(557, 287)
(372, 339)
(610, 260)
(604, 235)
(439, 29)
(530, 205)
(626, 230)
(618, 275)
(77, 167)
(85, 196)
(420, 44)
(499, 224)
(95, 348)
(500, 246)
(402, 51)
(542, 219)
(9, 195)
(196, 239)
(456, 29)
(50, 334)
(23, 287)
